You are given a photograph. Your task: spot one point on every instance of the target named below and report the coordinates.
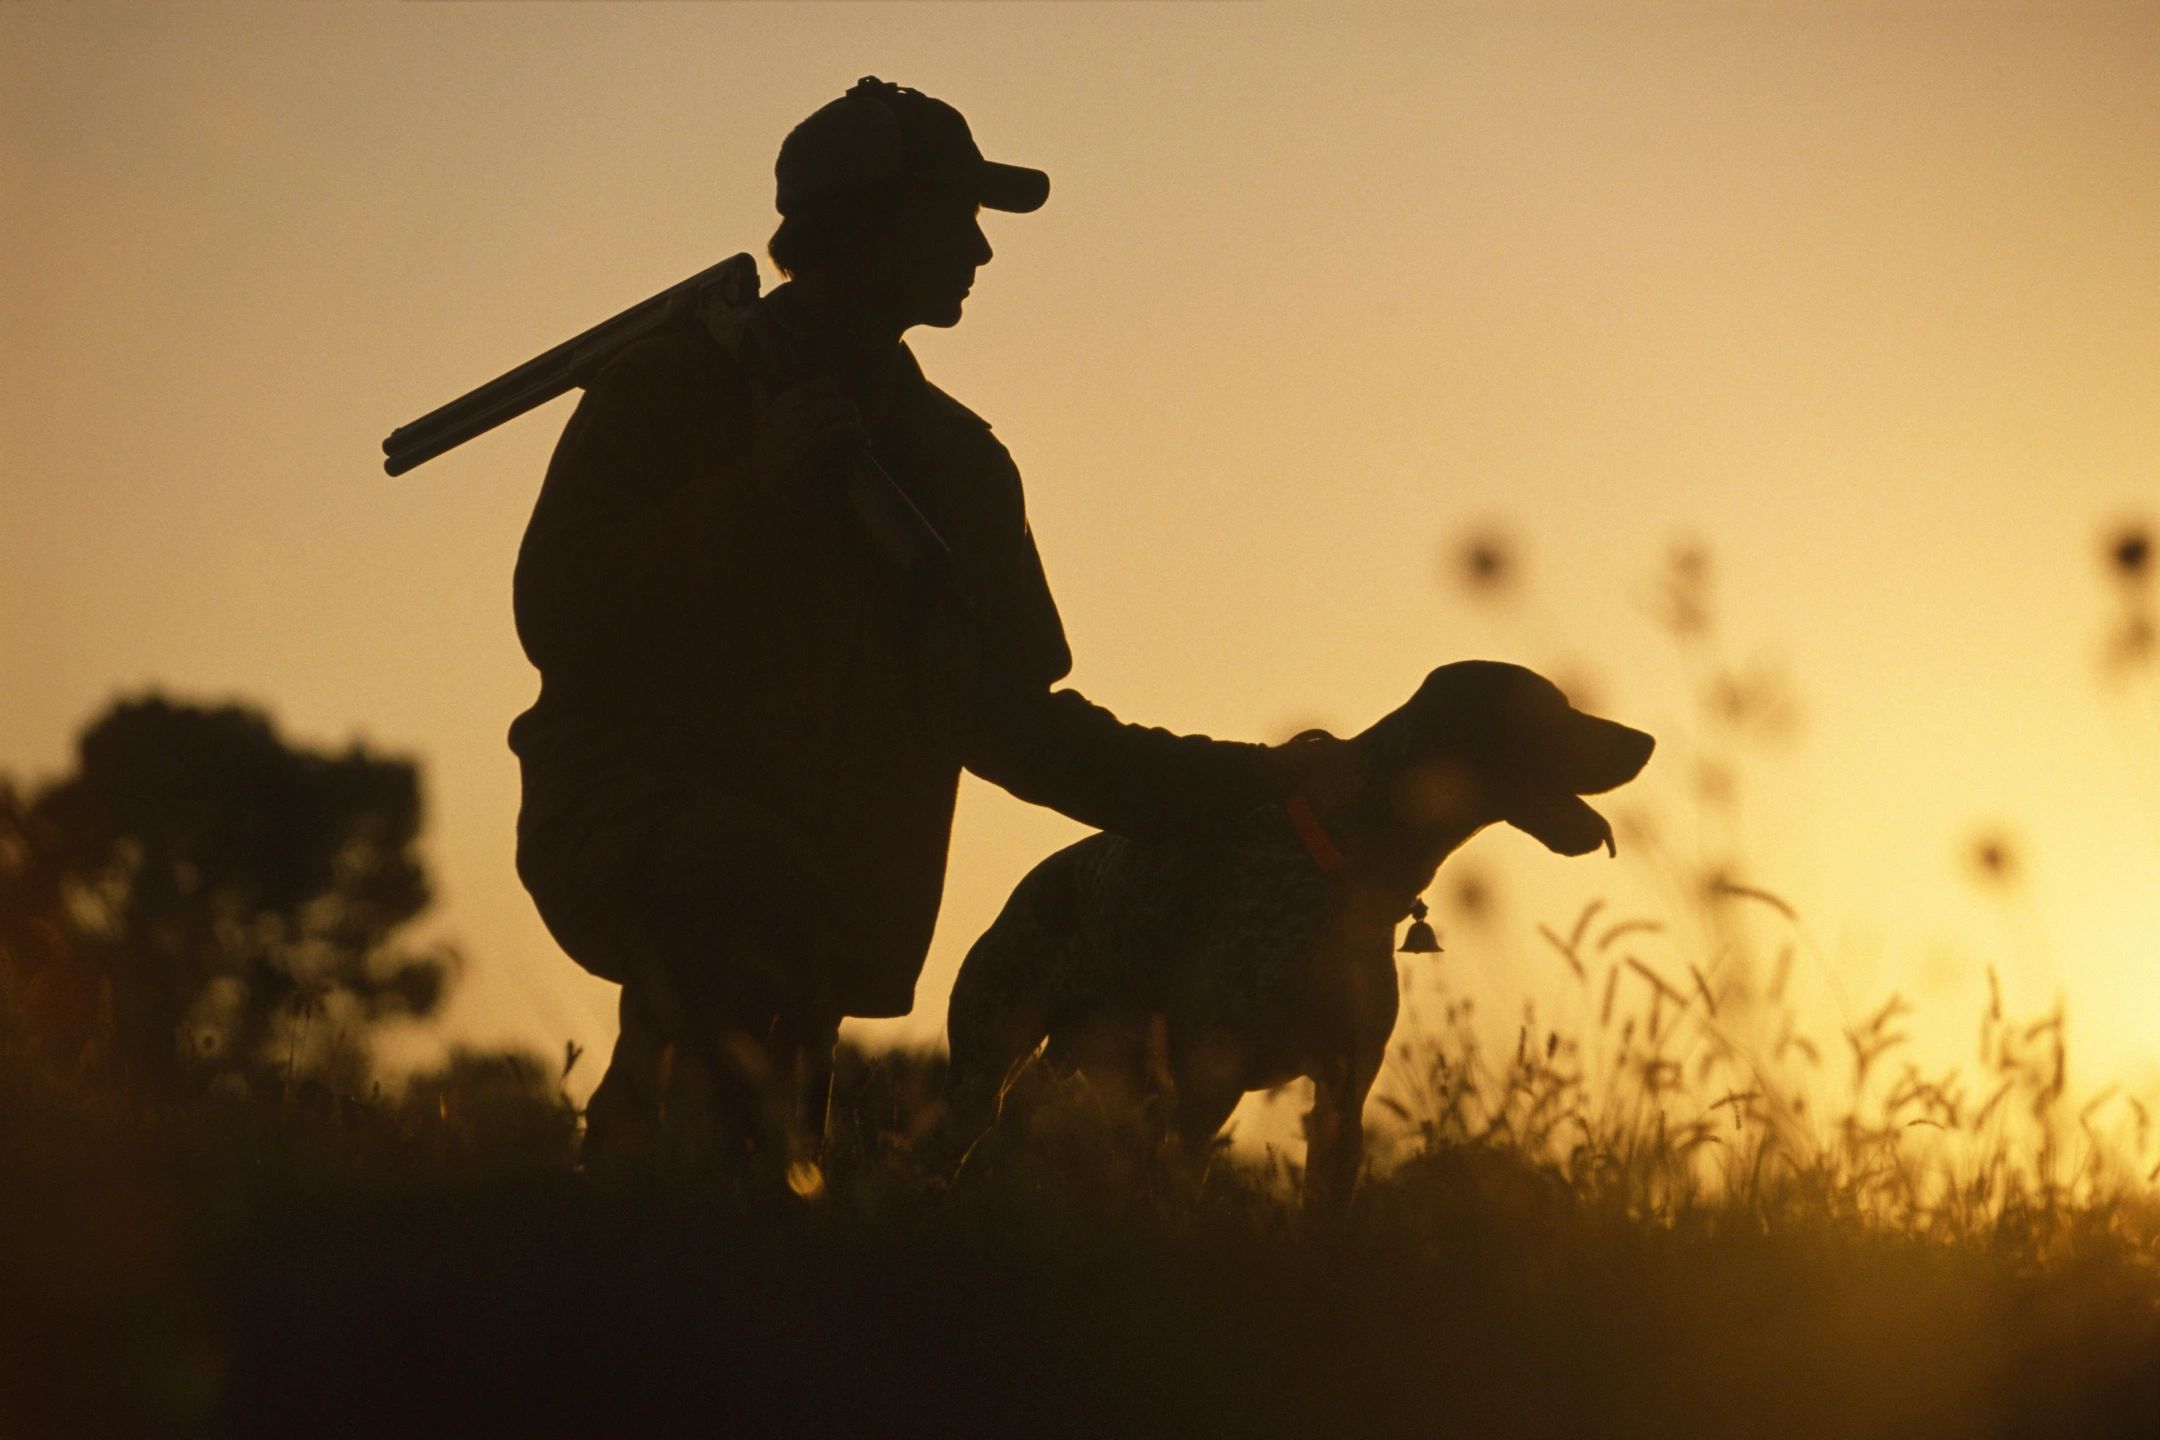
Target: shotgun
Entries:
(719, 298)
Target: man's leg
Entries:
(625, 1118)
(688, 1081)
(804, 1046)
(725, 1049)
(773, 1071)
(718, 1073)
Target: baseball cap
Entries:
(882, 135)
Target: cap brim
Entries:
(1011, 187)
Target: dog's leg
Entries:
(1334, 1140)
(1207, 1067)
(988, 1041)
(1198, 1115)
(999, 1015)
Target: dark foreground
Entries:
(439, 1271)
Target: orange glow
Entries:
(1319, 301)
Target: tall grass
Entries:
(1688, 1215)
(1535, 1255)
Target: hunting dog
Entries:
(1189, 974)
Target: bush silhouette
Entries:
(201, 901)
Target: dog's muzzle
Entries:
(1603, 755)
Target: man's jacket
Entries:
(715, 643)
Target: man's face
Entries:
(936, 246)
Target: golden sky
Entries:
(1863, 298)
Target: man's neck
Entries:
(836, 340)
(837, 322)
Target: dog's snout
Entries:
(1611, 755)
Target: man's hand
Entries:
(803, 433)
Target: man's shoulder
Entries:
(938, 405)
(944, 407)
(964, 438)
(969, 447)
(681, 364)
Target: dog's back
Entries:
(1108, 934)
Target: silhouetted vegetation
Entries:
(200, 903)
(1691, 1215)
(1530, 1262)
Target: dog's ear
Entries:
(1562, 823)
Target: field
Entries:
(1691, 1215)
(1539, 1253)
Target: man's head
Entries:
(878, 194)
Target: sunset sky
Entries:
(1862, 300)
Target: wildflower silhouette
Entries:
(2129, 562)
(2131, 555)
(1994, 861)
(1471, 897)
(1487, 564)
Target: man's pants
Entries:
(728, 1023)
(692, 1081)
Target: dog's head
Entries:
(1483, 741)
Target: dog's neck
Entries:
(1356, 805)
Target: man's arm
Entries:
(1059, 749)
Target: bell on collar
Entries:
(1419, 938)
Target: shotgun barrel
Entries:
(719, 298)
(728, 287)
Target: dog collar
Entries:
(1313, 833)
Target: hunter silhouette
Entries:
(764, 661)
